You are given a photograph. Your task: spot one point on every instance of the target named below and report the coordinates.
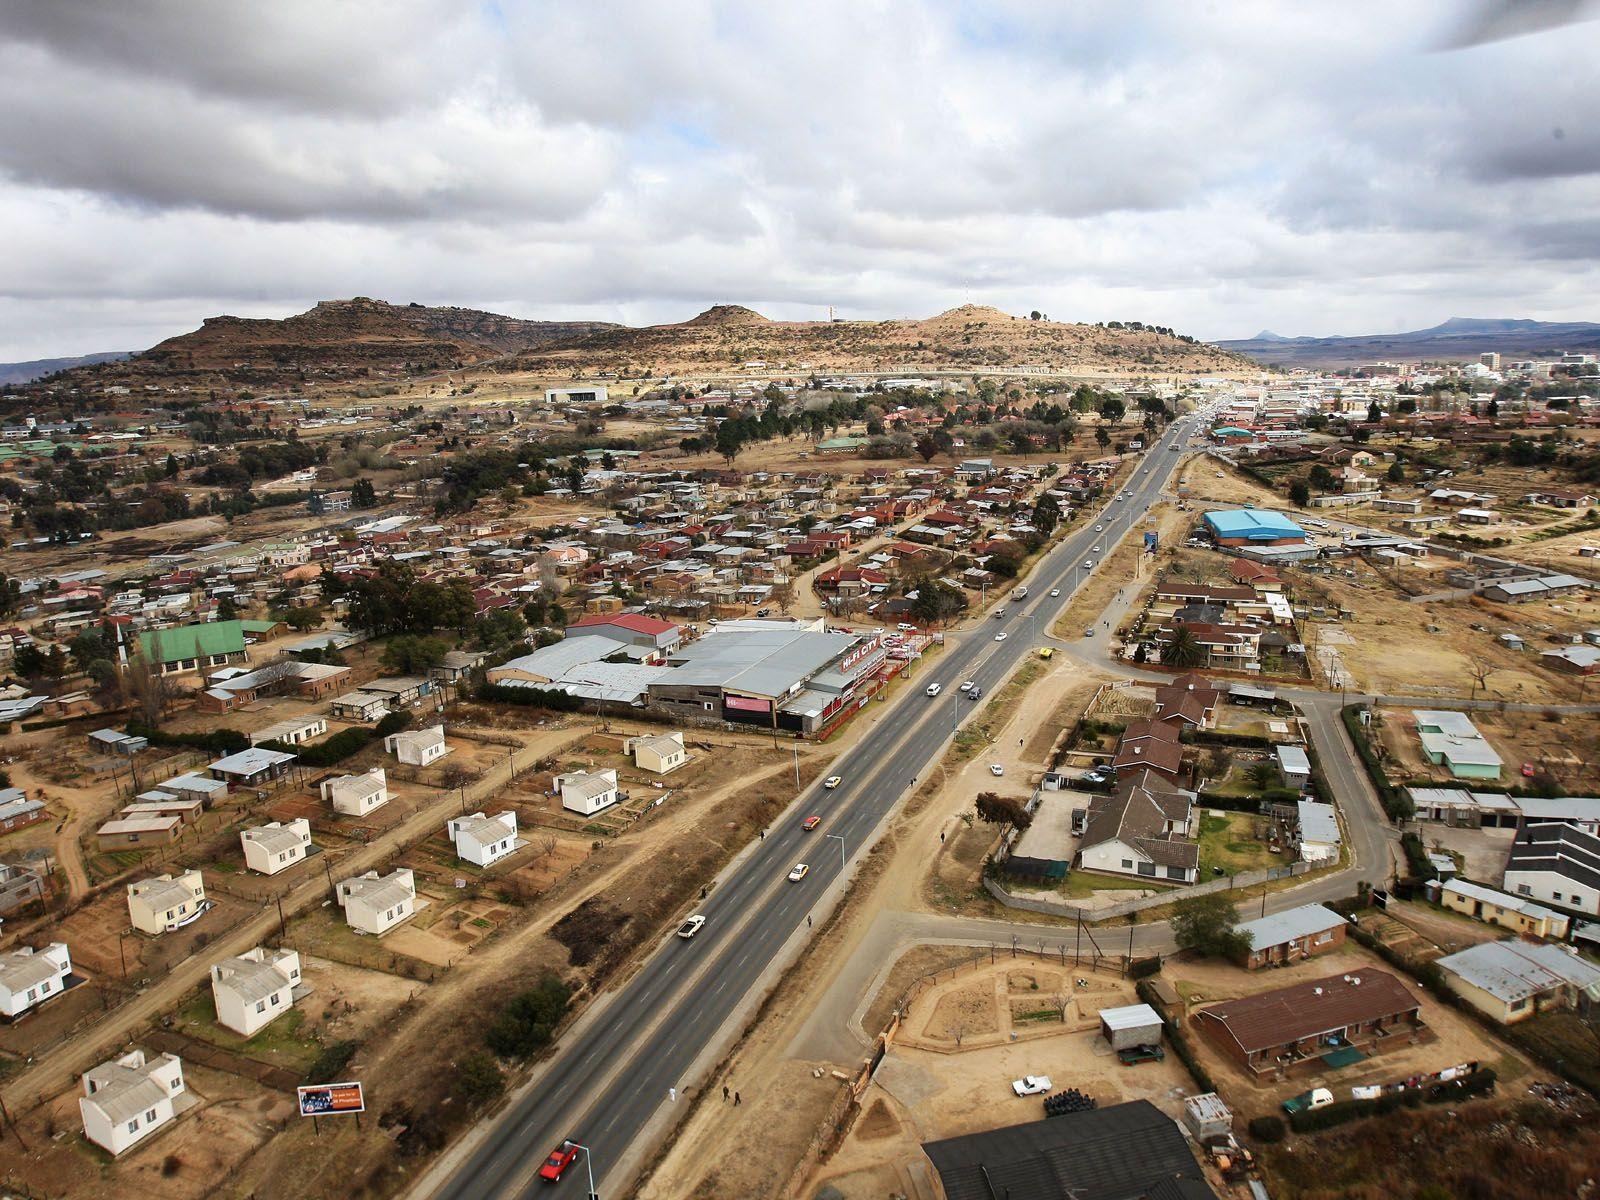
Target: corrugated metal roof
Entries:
(1516, 970)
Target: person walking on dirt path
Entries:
(808, 921)
(736, 1100)
(725, 1093)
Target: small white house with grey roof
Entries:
(126, 1100)
(482, 840)
(255, 988)
(167, 902)
(1319, 832)
(29, 977)
(417, 747)
(587, 792)
(1510, 981)
(658, 753)
(376, 903)
(276, 846)
(357, 795)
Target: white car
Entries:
(1054, 592)
(996, 769)
(833, 781)
(1099, 528)
(799, 872)
(1000, 637)
(1097, 549)
(933, 689)
(966, 687)
(1031, 1085)
(1088, 564)
(691, 926)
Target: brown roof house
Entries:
(1150, 745)
(1188, 701)
(1143, 829)
(1316, 1023)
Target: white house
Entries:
(376, 903)
(417, 747)
(588, 792)
(482, 840)
(255, 988)
(126, 1100)
(657, 752)
(357, 795)
(276, 846)
(296, 731)
(29, 977)
(166, 902)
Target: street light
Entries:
(588, 1164)
(838, 838)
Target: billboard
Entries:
(331, 1100)
(747, 704)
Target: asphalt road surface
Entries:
(610, 1077)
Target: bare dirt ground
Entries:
(1211, 483)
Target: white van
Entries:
(933, 689)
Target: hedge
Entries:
(1396, 804)
(392, 723)
(331, 752)
(1477, 1083)
(1143, 968)
(1241, 804)
(1212, 737)
(1417, 857)
(530, 697)
(217, 741)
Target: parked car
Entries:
(1315, 1098)
(833, 781)
(691, 926)
(810, 823)
(799, 872)
(1031, 1085)
(562, 1157)
(1133, 1055)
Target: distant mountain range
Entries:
(363, 340)
(27, 372)
(1460, 339)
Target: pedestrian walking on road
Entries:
(808, 922)
(763, 835)
(941, 835)
(672, 1094)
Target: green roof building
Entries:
(195, 647)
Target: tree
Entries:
(1323, 479)
(30, 661)
(145, 687)
(1299, 493)
(1208, 925)
(302, 618)
(927, 447)
(1002, 810)
(1183, 650)
(479, 1078)
(1113, 409)
(411, 654)
(498, 629)
(227, 609)
(1480, 669)
(1374, 413)
(1046, 515)
(1262, 775)
(89, 646)
(1406, 406)
(363, 494)
(1102, 436)
(1493, 409)
(530, 1019)
(171, 468)
(1396, 473)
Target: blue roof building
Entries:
(1252, 526)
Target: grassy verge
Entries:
(280, 1043)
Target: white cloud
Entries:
(1313, 168)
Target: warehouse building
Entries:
(1253, 527)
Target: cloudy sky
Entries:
(1220, 168)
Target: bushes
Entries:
(1396, 804)
(215, 741)
(395, 722)
(499, 693)
(479, 1078)
(1143, 968)
(331, 752)
(1267, 1129)
(1417, 857)
(529, 1020)
(329, 1066)
(1213, 737)
(1243, 804)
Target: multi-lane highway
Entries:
(607, 1086)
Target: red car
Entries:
(562, 1157)
(1529, 770)
(810, 823)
